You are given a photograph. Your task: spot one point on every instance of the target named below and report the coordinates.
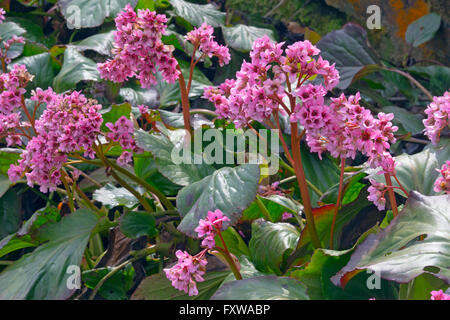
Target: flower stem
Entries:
(263, 209)
(391, 194)
(184, 101)
(339, 199)
(299, 172)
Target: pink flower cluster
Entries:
(210, 226)
(12, 90)
(122, 132)
(345, 127)
(203, 39)
(443, 182)
(2, 15)
(187, 271)
(70, 123)
(438, 117)
(439, 295)
(376, 194)
(139, 49)
(264, 82)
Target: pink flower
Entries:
(439, 295)
(2, 15)
(207, 228)
(139, 50)
(376, 194)
(122, 132)
(443, 182)
(188, 270)
(143, 109)
(438, 119)
(203, 39)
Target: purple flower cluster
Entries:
(203, 39)
(376, 194)
(12, 90)
(345, 127)
(122, 132)
(139, 49)
(265, 81)
(438, 117)
(208, 228)
(187, 271)
(70, 123)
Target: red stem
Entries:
(184, 101)
(391, 194)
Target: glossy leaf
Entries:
(75, 68)
(262, 288)
(271, 243)
(101, 43)
(196, 14)
(33, 277)
(348, 48)
(7, 31)
(230, 190)
(397, 253)
(241, 37)
(111, 196)
(423, 29)
(40, 67)
(10, 216)
(135, 224)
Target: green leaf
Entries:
(42, 274)
(197, 14)
(10, 216)
(88, 14)
(111, 196)
(157, 287)
(397, 253)
(405, 120)
(423, 29)
(75, 68)
(271, 243)
(22, 238)
(324, 264)
(135, 224)
(114, 112)
(40, 66)
(262, 288)
(322, 173)
(234, 242)
(230, 190)
(161, 147)
(7, 31)
(241, 36)
(116, 287)
(418, 171)
(348, 48)
(352, 189)
(137, 96)
(420, 288)
(176, 120)
(102, 43)
(275, 204)
(8, 156)
(4, 184)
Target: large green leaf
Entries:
(8, 156)
(7, 31)
(275, 204)
(229, 189)
(324, 264)
(42, 274)
(111, 196)
(423, 29)
(4, 184)
(406, 121)
(234, 242)
(418, 171)
(241, 37)
(135, 224)
(102, 43)
(262, 288)
(348, 48)
(161, 147)
(271, 243)
(10, 216)
(398, 253)
(157, 287)
(114, 112)
(87, 13)
(23, 237)
(40, 66)
(439, 77)
(75, 68)
(197, 13)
